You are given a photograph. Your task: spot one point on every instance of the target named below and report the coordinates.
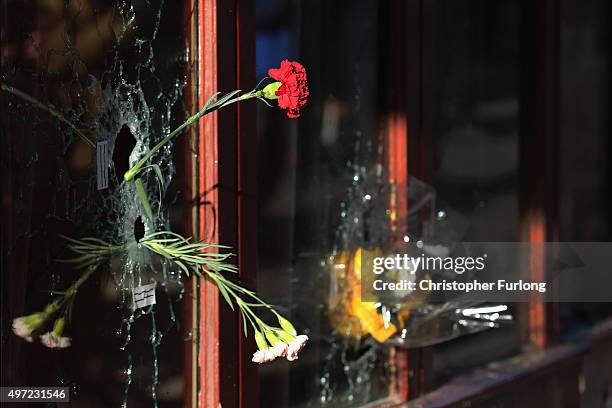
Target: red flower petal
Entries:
(293, 93)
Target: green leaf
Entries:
(261, 81)
(266, 102)
(223, 291)
(226, 98)
(160, 185)
(182, 266)
(209, 101)
(144, 199)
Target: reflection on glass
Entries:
(323, 199)
(475, 135)
(475, 114)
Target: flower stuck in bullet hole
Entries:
(202, 259)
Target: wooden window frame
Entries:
(222, 181)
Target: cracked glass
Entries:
(76, 74)
(323, 197)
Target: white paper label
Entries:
(144, 295)
(102, 161)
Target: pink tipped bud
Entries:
(296, 346)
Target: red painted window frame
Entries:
(221, 175)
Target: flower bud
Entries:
(50, 308)
(260, 340)
(296, 346)
(285, 337)
(272, 338)
(269, 92)
(58, 327)
(286, 325)
(26, 326)
(35, 320)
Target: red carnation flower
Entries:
(293, 90)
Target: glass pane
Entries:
(317, 175)
(326, 187)
(584, 152)
(475, 137)
(115, 72)
(475, 109)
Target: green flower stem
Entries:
(208, 108)
(245, 307)
(90, 251)
(194, 258)
(67, 298)
(251, 294)
(246, 312)
(49, 109)
(72, 290)
(227, 290)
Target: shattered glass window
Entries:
(326, 190)
(76, 74)
(323, 200)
